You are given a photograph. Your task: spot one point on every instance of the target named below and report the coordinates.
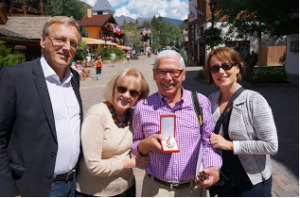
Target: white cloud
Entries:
(175, 9)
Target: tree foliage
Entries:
(214, 37)
(8, 59)
(132, 34)
(244, 17)
(75, 8)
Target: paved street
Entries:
(284, 100)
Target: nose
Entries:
(126, 94)
(67, 45)
(168, 75)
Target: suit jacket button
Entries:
(53, 154)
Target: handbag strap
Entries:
(229, 104)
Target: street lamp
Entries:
(212, 4)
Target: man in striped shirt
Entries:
(172, 174)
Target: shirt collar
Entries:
(50, 73)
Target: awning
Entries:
(92, 41)
(123, 47)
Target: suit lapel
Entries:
(75, 85)
(41, 86)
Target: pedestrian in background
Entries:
(113, 57)
(128, 58)
(98, 67)
(105, 168)
(248, 134)
(40, 117)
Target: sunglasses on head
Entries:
(132, 93)
(225, 66)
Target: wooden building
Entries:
(21, 24)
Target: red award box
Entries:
(168, 130)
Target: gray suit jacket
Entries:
(253, 131)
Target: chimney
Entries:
(89, 13)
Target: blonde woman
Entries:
(105, 168)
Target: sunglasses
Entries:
(132, 93)
(225, 66)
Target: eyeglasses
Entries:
(132, 93)
(174, 73)
(60, 42)
(225, 66)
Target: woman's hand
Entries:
(218, 141)
(142, 162)
(136, 162)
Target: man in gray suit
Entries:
(40, 117)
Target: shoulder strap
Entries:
(197, 107)
(198, 111)
(229, 104)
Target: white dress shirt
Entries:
(66, 113)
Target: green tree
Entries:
(132, 34)
(75, 8)
(244, 17)
(8, 59)
(214, 37)
(165, 34)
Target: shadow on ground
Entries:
(284, 101)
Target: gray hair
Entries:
(169, 54)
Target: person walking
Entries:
(40, 117)
(173, 174)
(248, 135)
(98, 67)
(113, 57)
(105, 168)
(128, 58)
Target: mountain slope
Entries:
(120, 20)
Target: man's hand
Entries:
(150, 144)
(208, 177)
(219, 141)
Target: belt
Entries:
(65, 177)
(172, 184)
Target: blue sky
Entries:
(175, 9)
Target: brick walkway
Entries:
(283, 99)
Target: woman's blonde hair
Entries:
(224, 54)
(127, 75)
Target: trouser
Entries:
(262, 189)
(152, 188)
(130, 192)
(98, 76)
(63, 188)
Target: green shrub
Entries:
(261, 75)
(8, 59)
(274, 75)
(105, 52)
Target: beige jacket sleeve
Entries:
(92, 134)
